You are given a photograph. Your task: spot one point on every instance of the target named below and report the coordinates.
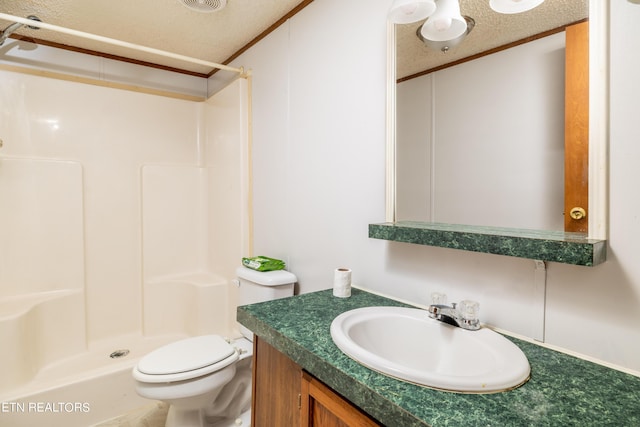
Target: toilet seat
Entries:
(185, 359)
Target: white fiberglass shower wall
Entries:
(122, 218)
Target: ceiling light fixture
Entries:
(514, 6)
(409, 11)
(446, 45)
(446, 23)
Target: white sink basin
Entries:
(406, 344)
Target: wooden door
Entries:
(576, 141)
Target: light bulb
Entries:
(442, 24)
(409, 9)
(446, 23)
(514, 6)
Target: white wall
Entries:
(414, 147)
(319, 114)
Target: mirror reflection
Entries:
(482, 142)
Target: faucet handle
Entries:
(468, 310)
(438, 298)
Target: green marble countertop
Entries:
(556, 246)
(563, 390)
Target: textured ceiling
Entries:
(161, 24)
(170, 26)
(492, 30)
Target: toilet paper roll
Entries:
(342, 283)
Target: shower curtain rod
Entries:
(115, 42)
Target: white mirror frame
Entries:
(598, 120)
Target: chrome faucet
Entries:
(463, 315)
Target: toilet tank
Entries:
(258, 286)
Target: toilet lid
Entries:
(186, 355)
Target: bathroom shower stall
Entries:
(123, 216)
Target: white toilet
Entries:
(206, 380)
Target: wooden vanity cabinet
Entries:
(286, 395)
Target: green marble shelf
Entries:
(556, 246)
(563, 390)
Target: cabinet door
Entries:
(276, 388)
(322, 407)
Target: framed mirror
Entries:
(509, 233)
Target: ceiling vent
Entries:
(205, 6)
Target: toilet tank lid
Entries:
(266, 278)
